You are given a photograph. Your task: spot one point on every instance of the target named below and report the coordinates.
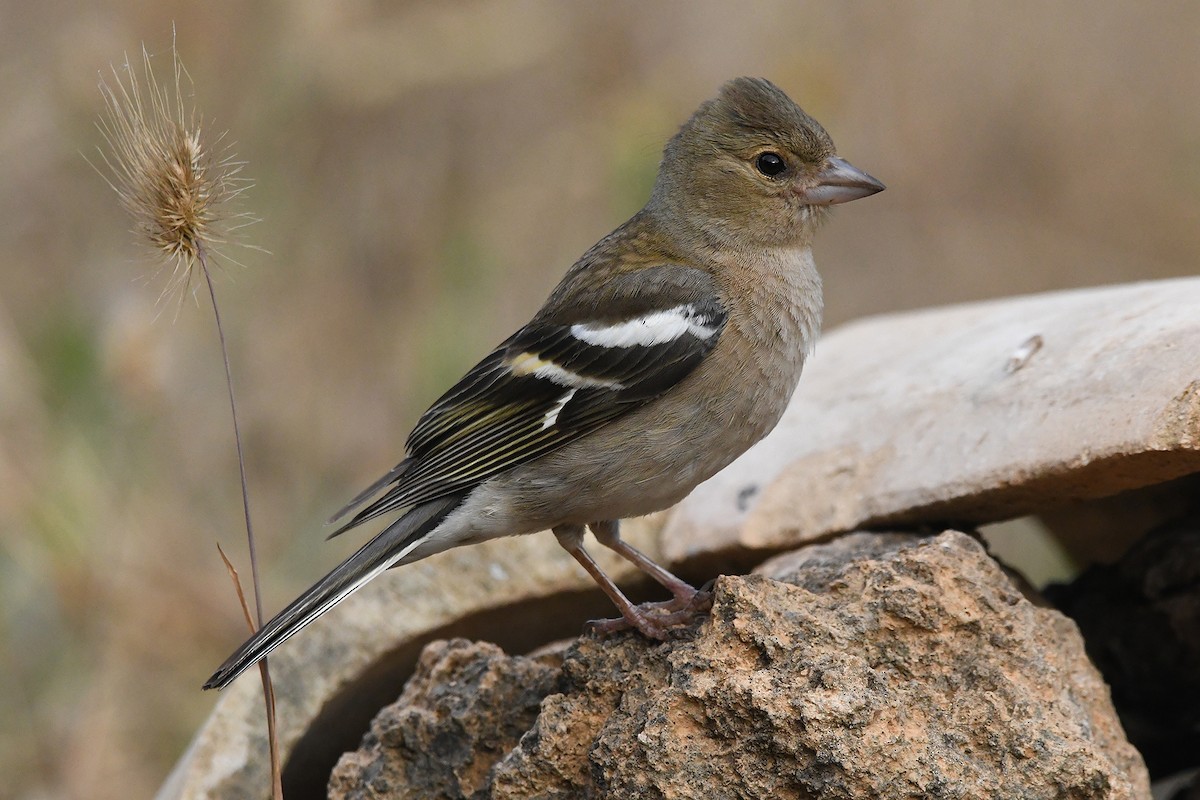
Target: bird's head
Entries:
(751, 167)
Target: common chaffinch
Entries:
(667, 350)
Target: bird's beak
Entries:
(839, 182)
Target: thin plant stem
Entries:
(263, 669)
(237, 434)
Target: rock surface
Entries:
(877, 666)
(467, 705)
(972, 413)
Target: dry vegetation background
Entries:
(425, 171)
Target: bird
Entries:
(667, 350)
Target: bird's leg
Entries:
(608, 533)
(571, 539)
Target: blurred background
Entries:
(425, 171)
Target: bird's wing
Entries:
(560, 377)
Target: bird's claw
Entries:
(655, 620)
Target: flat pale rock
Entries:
(972, 413)
(877, 666)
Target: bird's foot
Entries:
(655, 620)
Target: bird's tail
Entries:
(385, 550)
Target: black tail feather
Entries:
(371, 559)
(391, 477)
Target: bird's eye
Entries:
(770, 164)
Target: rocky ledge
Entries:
(882, 666)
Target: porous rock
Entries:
(885, 667)
(464, 708)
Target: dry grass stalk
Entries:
(268, 687)
(178, 192)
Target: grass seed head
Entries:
(175, 186)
